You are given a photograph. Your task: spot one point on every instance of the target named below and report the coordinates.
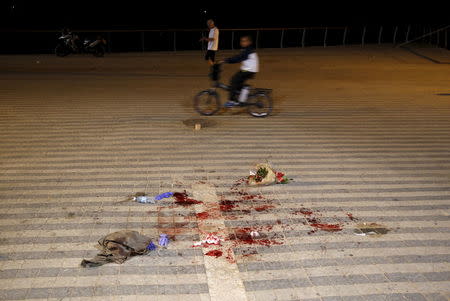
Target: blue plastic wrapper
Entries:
(163, 240)
(163, 195)
(151, 246)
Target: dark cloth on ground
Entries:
(117, 247)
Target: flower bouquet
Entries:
(265, 175)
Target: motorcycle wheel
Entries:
(61, 51)
(99, 51)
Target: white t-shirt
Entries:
(213, 34)
(251, 64)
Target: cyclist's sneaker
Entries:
(231, 103)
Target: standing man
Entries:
(213, 42)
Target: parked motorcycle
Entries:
(70, 44)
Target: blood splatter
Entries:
(202, 215)
(227, 205)
(263, 208)
(351, 217)
(240, 236)
(247, 197)
(327, 227)
(313, 220)
(181, 198)
(167, 224)
(215, 253)
(243, 236)
(230, 256)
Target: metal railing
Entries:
(444, 30)
(416, 45)
(187, 39)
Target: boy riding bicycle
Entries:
(249, 67)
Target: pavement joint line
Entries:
(223, 277)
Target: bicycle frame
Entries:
(215, 77)
(221, 86)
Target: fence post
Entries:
(407, 33)
(109, 42)
(363, 36)
(232, 39)
(325, 37)
(445, 39)
(175, 41)
(281, 40)
(143, 41)
(345, 36)
(439, 37)
(395, 35)
(430, 40)
(257, 39)
(438, 34)
(379, 35)
(303, 37)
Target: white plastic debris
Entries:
(144, 199)
(254, 234)
(210, 239)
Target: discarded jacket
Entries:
(117, 247)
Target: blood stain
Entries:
(215, 253)
(181, 198)
(263, 208)
(230, 256)
(312, 220)
(351, 217)
(248, 197)
(227, 205)
(202, 215)
(327, 227)
(243, 236)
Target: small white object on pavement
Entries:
(210, 239)
(254, 234)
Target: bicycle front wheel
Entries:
(207, 102)
(260, 105)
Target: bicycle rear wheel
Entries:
(260, 105)
(207, 102)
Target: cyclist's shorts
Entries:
(210, 55)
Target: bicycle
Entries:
(257, 100)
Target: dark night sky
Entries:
(41, 14)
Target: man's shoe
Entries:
(230, 104)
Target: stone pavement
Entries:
(364, 133)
